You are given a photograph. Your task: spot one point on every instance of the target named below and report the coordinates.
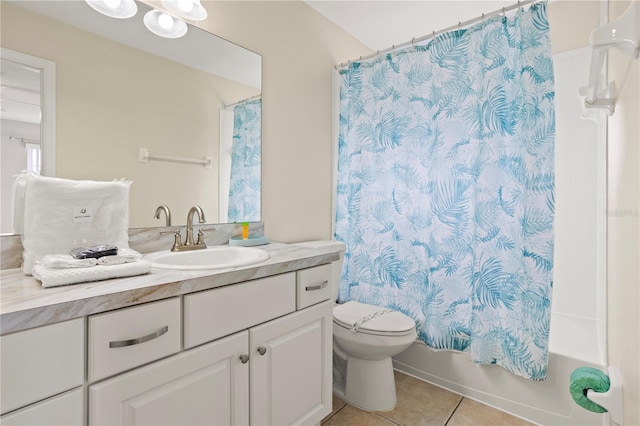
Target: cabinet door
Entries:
(291, 368)
(38, 363)
(208, 385)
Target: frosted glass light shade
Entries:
(188, 9)
(121, 9)
(164, 25)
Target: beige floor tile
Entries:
(472, 413)
(351, 416)
(337, 405)
(421, 403)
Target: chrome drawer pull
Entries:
(320, 286)
(131, 342)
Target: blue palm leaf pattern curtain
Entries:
(246, 152)
(445, 195)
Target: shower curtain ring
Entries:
(504, 14)
(482, 17)
(413, 42)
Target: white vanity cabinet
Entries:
(251, 354)
(42, 375)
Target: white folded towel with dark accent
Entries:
(52, 277)
(59, 261)
(125, 255)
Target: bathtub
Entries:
(573, 343)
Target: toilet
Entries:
(365, 337)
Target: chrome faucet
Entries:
(167, 214)
(189, 244)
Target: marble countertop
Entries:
(25, 304)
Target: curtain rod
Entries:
(460, 24)
(23, 140)
(258, 96)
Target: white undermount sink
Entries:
(215, 257)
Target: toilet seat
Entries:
(381, 323)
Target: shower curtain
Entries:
(445, 188)
(246, 150)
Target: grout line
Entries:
(334, 413)
(382, 414)
(453, 412)
(377, 413)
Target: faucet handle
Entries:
(176, 240)
(201, 232)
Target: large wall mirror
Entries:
(132, 105)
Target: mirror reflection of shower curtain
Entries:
(224, 163)
(245, 184)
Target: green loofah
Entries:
(583, 379)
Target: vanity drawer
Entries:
(313, 285)
(41, 362)
(130, 337)
(212, 314)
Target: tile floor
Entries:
(424, 404)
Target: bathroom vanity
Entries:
(248, 345)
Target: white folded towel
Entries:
(57, 261)
(125, 255)
(50, 277)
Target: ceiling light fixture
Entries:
(187, 9)
(121, 9)
(164, 25)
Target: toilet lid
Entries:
(353, 312)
